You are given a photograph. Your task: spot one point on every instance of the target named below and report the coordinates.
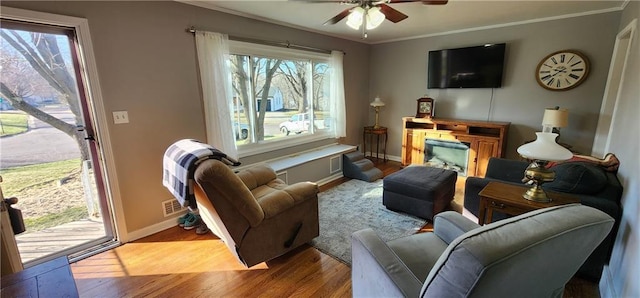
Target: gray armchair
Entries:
(531, 255)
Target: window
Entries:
(280, 97)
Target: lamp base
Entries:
(537, 173)
(536, 194)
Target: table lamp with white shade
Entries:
(554, 118)
(376, 104)
(543, 150)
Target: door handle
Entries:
(88, 137)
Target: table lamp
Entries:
(376, 104)
(541, 151)
(554, 118)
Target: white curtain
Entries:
(213, 54)
(338, 108)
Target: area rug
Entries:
(356, 205)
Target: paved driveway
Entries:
(42, 143)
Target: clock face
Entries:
(425, 107)
(562, 70)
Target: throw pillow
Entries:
(609, 163)
(578, 178)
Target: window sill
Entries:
(290, 161)
(254, 149)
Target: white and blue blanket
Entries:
(179, 164)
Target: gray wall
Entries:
(623, 272)
(399, 76)
(147, 65)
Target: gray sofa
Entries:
(590, 183)
(531, 255)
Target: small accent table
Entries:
(368, 134)
(507, 198)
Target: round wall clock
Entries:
(562, 70)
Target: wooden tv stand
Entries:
(486, 138)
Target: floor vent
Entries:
(171, 207)
(335, 165)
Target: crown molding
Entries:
(211, 5)
(531, 21)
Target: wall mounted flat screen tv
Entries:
(471, 67)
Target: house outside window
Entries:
(280, 97)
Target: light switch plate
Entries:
(120, 117)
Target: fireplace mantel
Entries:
(486, 138)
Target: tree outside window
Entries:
(276, 99)
(35, 69)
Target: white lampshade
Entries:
(374, 17)
(377, 102)
(555, 118)
(354, 20)
(544, 148)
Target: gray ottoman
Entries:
(419, 190)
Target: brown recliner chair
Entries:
(257, 215)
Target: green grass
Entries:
(20, 178)
(52, 220)
(13, 123)
(46, 175)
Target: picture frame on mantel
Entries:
(425, 107)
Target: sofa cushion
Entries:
(578, 178)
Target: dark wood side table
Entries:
(507, 198)
(368, 134)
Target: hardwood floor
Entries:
(179, 263)
(176, 262)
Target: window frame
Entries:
(266, 51)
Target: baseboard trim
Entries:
(605, 286)
(330, 179)
(152, 229)
(394, 158)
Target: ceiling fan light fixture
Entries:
(354, 20)
(374, 17)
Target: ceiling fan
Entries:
(371, 13)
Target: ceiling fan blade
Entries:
(434, 2)
(402, 1)
(426, 2)
(325, 1)
(391, 13)
(338, 17)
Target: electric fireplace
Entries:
(451, 155)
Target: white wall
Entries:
(399, 76)
(622, 277)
